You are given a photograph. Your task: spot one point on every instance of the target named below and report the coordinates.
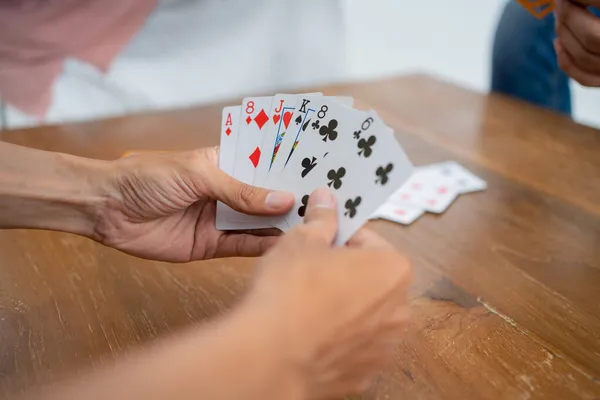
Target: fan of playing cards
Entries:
(298, 143)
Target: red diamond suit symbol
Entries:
(255, 157)
(261, 119)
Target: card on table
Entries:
(364, 167)
(398, 211)
(426, 190)
(456, 176)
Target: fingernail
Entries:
(321, 198)
(279, 200)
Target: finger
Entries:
(260, 232)
(320, 221)
(367, 239)
(246, 198)
(566, 63)
(244, 245)
(587, 3)
(581, 22)
(582, 58)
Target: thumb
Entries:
(248, 199)
(320, 221)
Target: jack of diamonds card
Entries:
(254, 118)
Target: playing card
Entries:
(538, 8)
(282, 110)
(366, 167)
(254, 117)
(308, 110)
(225, 216)
(398, 211)
(320, 129)
(456, 176)
(428, 191)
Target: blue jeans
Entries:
(524, 62)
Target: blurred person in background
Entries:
(82, 59)
(534, 60)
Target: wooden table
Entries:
(506, 302)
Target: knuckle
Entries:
(245, 195)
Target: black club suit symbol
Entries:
(335, 177)
(308, 164)
(302, 209)
(382, 174)
(316, 124)
(366, 146)
(357, 134)
(351, 206)
(328, 131)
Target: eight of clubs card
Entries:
(301, 120)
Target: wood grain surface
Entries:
(506, 301)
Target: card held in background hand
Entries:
(538, 8)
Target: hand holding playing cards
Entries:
(578, 42)
(319, 323)
(342, 310)
(162, 207)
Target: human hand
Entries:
(162, 207)
(578, 43)
(337, 313)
